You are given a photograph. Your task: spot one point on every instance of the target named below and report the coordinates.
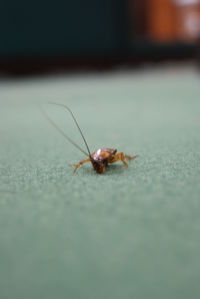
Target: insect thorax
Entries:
(102, 154)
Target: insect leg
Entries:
(119, 157)
(80, 163)
(127, 157)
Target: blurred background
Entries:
(62, 35)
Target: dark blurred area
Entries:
(42, 36)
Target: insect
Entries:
(101, 158)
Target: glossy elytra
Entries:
(101, 158)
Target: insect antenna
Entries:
(61, 131)
(69, 110)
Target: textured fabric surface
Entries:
(131, 233)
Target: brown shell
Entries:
(103, 154)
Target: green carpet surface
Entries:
(130, 233)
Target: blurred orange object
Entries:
(173, 20)
(161, 20)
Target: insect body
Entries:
(104, 156)
(99, 159)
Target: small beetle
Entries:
(99, 159)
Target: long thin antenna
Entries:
(62, 105)
(61, 132)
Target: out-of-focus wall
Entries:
(74, 28)
(36, 35)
